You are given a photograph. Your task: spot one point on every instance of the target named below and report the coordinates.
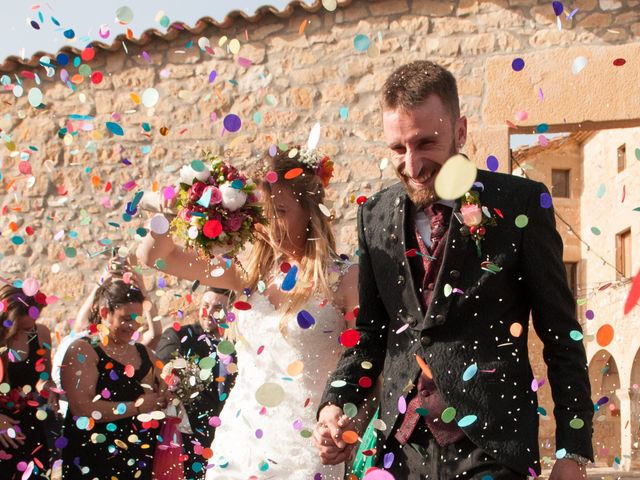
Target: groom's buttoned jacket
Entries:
(470, 323)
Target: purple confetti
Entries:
(273, 149)
(232, 123)
(603, 400)
(492, 163)
(574, 11)
(212, 76)
(146, 56)
(130, 185)
(162, 283)
(126, 161)
(34, 312)
(590, 314)
(61, 442)
(545, 200)
(388, 460)
(517, 64)
(557, 8)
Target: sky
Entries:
(85, 18)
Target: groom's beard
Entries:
(423, 196)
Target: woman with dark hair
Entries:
(287, 343)
(112, 385)
(25, 360)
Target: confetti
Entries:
(579, 63)
(124, 15)
(492, 163)
(455, 178)
(634, 294)
(517, 65)
(604, 336)
(232, 123)
(270, 395)
(361, 43)
(305, 319)
(114, 128)
(150, 97)
(470, 372)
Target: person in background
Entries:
(25, 372)
(195, 341)
(110, 380)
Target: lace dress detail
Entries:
(266, 423)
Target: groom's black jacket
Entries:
(472, 324)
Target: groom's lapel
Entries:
(400, 216)
(457, 251)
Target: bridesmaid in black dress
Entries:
(25, 372)
(112, 386)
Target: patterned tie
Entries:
(440, 215)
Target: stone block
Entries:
(450, 26)
(302, 97)
(595, 21)
(478, 44)
(432, 8)
(134, 77)
(356, 11)
(610, 4)
(388, 7)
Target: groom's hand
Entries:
(327, 436)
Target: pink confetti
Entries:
(544, 141)
(402, 405)
(402, 328)
(146, 56)
(130, 185)
(244, 62)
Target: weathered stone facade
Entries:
(303, 68)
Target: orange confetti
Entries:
(424, 367)
(95, 181)
(218, 93)
(207, 453)
(159, 364)
(13, 226)
(135, 98)
(604, 336)
(303, 25)
(350, 437)
(129, 34)
(293, 173)
(516, 329)
(77, 79)
(154, 186)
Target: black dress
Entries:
(121, 449)
(23, 407)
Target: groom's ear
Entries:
(460, 131)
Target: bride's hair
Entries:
(319, 251)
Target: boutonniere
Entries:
(476, 217)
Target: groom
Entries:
(444, 311)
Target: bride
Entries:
(297, 291)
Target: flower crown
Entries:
(320, 163)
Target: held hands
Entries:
(566, 469)
(327, 436)
(6, 440)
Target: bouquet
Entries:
(217, 207)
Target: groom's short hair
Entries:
(410, 85)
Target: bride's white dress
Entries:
(268, 418)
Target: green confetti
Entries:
(522, 221)
(350, 410)
(595, 230)
(448, 414)
(226, 347)
(576, 423)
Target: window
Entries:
(622, 157)
(572, 277)
(560, 183)
(623, 254)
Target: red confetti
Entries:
(285, 267)
(365, 382)
(107, 187)
(240, 305)
(88, 54)
(96, 78)
(176, 326)
(260, 349)
(498, 212)
(411, 253)
(30, 231)
(27, 74)
(293, 173)
(634, 294)
(350, 337)
(618, 62)
(307, 402)
(212, 228)
(605, 286)
(361, 199)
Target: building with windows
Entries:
(593, 177)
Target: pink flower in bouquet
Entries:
(471, 214)
(185, 214)
(196, 191)
(216, 196)
(233, 222)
